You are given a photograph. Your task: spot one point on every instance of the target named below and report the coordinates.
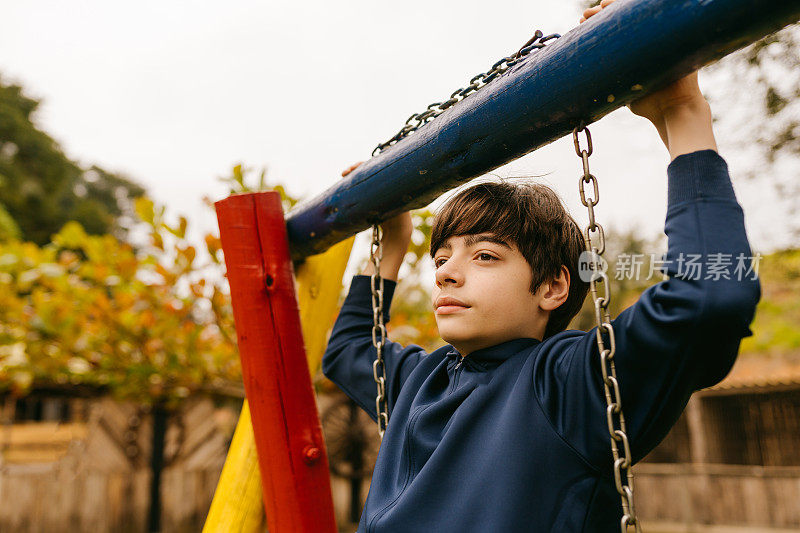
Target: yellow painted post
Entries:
(319, 283)
(237, 505)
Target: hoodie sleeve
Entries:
(683, 334)
(350, 354)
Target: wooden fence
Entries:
(102, 482)
(752, 498)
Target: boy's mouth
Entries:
(446, 305)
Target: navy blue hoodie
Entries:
(514, 437)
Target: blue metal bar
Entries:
(628, 49)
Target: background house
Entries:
(732, 459)
(74, 462)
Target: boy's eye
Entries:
(439, 261)
(486, 257)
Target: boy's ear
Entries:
(556, 291)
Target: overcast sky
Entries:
(173, 94)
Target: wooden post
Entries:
(160, 416)
(238, 501)
(237, 505)
(288, 434)
(699, 455)
(697, 430)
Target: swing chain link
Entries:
(477, 83)
(378, 328)
(615, 420)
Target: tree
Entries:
(41, 189)
(152, 324)
(8, 228)
(758, 89)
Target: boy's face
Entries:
(481, 296)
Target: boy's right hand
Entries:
(396, 238)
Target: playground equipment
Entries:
(627, 50)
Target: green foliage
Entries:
(239, 183)
(153, 324)
(8, 228)
(42, 189)
(776, 327)
(237, 180)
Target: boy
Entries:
(504, 429)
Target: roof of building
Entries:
(761, 372)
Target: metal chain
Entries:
(477, 83)
(623, 475)
(378, 328)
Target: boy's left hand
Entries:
(679, 111)
(396, 239)
(683, 93)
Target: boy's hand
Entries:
(351, 168)
(396, 238)
(679, 111)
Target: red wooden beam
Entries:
(288, 434)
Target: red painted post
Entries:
(288, 434)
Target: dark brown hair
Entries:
(529, 216)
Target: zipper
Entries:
(412, 421)
(456, 373)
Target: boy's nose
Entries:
(449, 274)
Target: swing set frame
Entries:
(277, 458)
